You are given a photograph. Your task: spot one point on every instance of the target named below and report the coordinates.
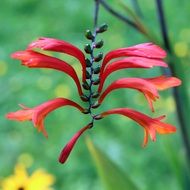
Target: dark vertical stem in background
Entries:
(179, 105)
(137, 8)
(118, 15)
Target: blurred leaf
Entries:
(112, 176)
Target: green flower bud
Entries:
(96, 81)
(85, 85)
(102, 28)
(99, 44)
(89, 35)
(98, 57)
(87, 48)
(88, 63)
(96, 70)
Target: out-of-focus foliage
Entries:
(160, 165)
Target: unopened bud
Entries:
(84, 98)
(88, 63)
(95, 95)
(96, 70)
(96, 81)
(89, 35)
(102, 28)
(98, 57)
(85, 85)
(87, 75)
(87, 48)
(95, 105)
(99, 44)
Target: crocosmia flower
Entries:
(141, 56)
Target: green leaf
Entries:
(112, 176)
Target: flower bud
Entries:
(87, 48)
(99, 44)
(86, 111)
(87, 75)
(95, 95)
(88, 63)
(96, 70)
(98, 117)
(84, 98)
(102, 28)
(96, 81)
(89, 35)
(98, 57)
(85, 85)
(95, 105)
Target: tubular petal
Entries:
(61, 46)
(135, 83)
(68, 148)
(34, 59)
(129, 62)
(38, 113)
(151, 125)
(163, 82)
(147, 50)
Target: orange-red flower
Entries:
(38, 113)
(142, 56)
(34, 59)
(60, 46)
(150, 125)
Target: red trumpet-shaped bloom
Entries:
(147, 88)
(147, 50)
(69, 146)
(150, 125)
(60, 46)
(129, 62)
(34, 59)
(38, 113)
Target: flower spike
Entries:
(34, 59)
(38, 114)
(147, 50)
(61, 46)
(68, 148)
(150, 125)
(129, 62)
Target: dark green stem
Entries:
(179, 104)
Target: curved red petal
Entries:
(34, 59)
(135, 83)
(38, 113)
(61, 46)
(152, 125)
(45, 108)
(164, 82)
(68, 148)
(129, 62)
(147, 50)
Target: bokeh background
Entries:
(161, 165)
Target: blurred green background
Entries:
(161, 165)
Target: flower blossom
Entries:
(142, 56)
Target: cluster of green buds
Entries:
(93, 66)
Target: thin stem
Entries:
(118, 15)
(176, 93)
(137, 7)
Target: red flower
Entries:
(38, 113)
(60, 46)
(150, 125)
(34, 59)
(143, 56)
